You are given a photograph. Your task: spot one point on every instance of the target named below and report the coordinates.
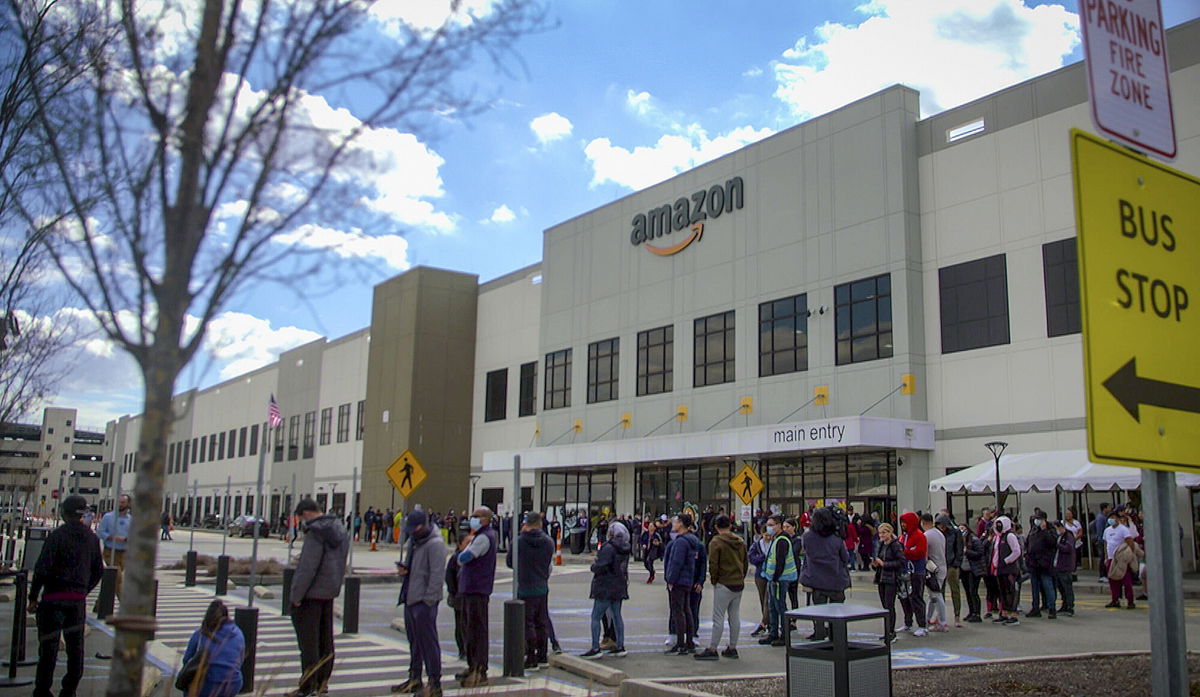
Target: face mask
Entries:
(476, 523)
(1112, 521)
(771, 530)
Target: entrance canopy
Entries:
(839, 432)
(1068, 470)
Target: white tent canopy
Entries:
(1068, 470)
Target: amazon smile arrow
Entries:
(1133, 391)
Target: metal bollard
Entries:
(10, 548)
(189, 574)
(288, 574)
(106, 601)
(514, 638)
(18, 637)
(246, 618)
(350, 605)
(223, 574)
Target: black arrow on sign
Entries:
(1132, 391)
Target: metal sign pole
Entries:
(225, 537)
(262, 460)
(516, 497)
(1168, 640)
(192, 515)
(350, 525)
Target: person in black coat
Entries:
(889, 561)
(67, 569)
(610, 588)
(974, 569)
(1043, 547)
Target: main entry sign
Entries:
(1125, 49)
(1139, 272)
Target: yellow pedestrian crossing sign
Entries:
(406, 473)
(746, 485)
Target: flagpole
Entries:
(262, 459)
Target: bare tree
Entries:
(195, 108)
(28, 343)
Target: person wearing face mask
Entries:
(114, 534)
(1043, 546)
(1005, 554)
(1114, 536)
(679, 570)
(476, 577)
(780, 572)
(916, 552)
(424, 569)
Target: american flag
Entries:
(274, 418)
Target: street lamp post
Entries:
(997, 447)
(474, 479)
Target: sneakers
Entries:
(939, 627)
(675, 651)
(768, 640)
(920, 631)
(1113, 604)
(1012, 621)
(475, 680)
(778, 642)
(1130, 606)
(592, 654)
(670, 641)
(987, 615)
(730, 653)
(617, 652)
(555, 648)
(1143, 597)
(1034, 613)
(974, 619)
(432, 691)
(905, 629)
(707, 655)
(1068, 612)
(531, 664)
(462, 674)
(1052, 615)
(408, 687)
(889, 638)
(543, 663)
(761, 630)
(999, 620)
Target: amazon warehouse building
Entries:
(851, 307)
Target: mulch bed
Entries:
(207, 565)
(1081, 677)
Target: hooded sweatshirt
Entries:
(727, 561)
(223, 667)
(1006, 549)
(828, 559)
(913, 540)
(322, 563)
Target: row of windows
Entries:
(240, 442)
(974, 314)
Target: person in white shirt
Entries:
(1116, 532)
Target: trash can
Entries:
(578, 540)
(837, 666)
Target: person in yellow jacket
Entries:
(780, 572)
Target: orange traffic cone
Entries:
(373, 547)
(558, 552)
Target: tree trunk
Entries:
(135, 621)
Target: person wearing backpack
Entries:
(916, 552)
(889, 563)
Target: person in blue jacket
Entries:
(681, 564)
(220, 673)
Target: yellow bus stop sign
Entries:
(406, 473)
(746, 485)
(1139, 273)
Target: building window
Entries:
(203, 449)
(293, 437)
(603, 370)
(495, 400)
(783, 336)
(186, 453)
(212, 447)
(310, 431)
(254, 439)
(242, 442)
(196, 450)
(863, 319)
(278, 450)
(527, 402)
(343, 426)
(1060, 268)
(714, 350)
(232, 443)
(974, 304)
(558, 380)
(360, 420)
(656, 360)
(170, 458)
(326, 425)
(220, 455)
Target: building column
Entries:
(626, 487)
(912, 480)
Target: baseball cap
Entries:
(74, 505)
(415, 520)
(663, 517)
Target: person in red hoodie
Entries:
(913, 541)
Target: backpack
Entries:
(904, 580)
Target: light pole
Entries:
(997, 447)
(332, 496)
(474, 479)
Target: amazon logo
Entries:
(686, 214)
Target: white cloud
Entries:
(428, 14)
(243, 342)
(673, 153)
(503, 214)
(953, 51)
(752, 72)
(355, 244)
(550, 127)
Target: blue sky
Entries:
(617, 95)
